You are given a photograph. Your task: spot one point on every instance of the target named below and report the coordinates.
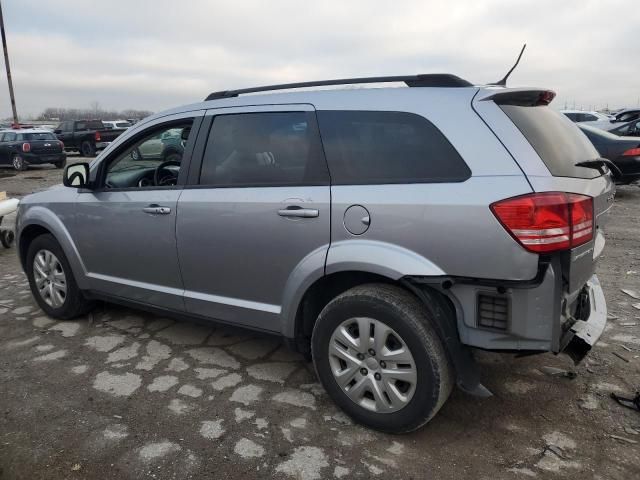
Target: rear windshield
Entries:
(558, 142)
(90, 125)
(39, 136)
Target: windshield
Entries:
(558, 142)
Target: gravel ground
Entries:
(125, 394)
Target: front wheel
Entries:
(51, 280)
(380, 359)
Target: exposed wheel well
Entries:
(322, 292)
(27, 236)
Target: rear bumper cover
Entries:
(42, 158)
(578, 340)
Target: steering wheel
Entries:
(168, 179)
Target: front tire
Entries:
(51, 280)
(380, 359)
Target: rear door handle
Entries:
(298, 212)
(157, 210)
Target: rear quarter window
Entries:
(558, 142)
(372, 147)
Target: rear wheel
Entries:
(87, 149)
(51, 280)
(18, 163)
(60, 164)
(380, 359)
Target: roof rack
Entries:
(425, 80)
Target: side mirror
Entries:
(76, 175)
(57, 130)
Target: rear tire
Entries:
(18, 163)
(404, 324)
(60, 164)
(57, 271)
(87, 149)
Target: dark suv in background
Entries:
(23, 147)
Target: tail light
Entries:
(61, 144)
(26, 147)
(547, 222)
(634, 152)
(97, 136)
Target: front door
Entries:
(258, 213)
(126, 225)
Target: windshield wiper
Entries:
(599, 164)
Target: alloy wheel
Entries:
(372, 365)
(50, 278)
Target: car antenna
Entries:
(503, 82)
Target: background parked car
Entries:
(627, 115)
(85, 136)
(169, 145)
(24, 147)
(629, 129)
(624, 152)
(591, 118)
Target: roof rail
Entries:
(425, 80)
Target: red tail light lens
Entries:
(61, 144)
(26, 147)
(97, 136)
(634, 152)
(547, 222)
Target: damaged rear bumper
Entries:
(583, 334)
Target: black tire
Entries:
(75, 304)
(18, 163)
(87, 149)
(407, 316)
(60, 164)
(7, 237)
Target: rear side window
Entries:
(366, 147)
(558, 142)
(264, 149)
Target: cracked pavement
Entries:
(127, 394)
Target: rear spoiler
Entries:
(523, 97)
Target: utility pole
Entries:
(6, 64)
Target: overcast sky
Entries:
(153, 55)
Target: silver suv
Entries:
(382, 231)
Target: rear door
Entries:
(5, 147)
(256, 212)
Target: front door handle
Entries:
(157, 210)
(298, 212)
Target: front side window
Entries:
(367, 147)
(9, 137)
(263, 149)
(153, 159)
